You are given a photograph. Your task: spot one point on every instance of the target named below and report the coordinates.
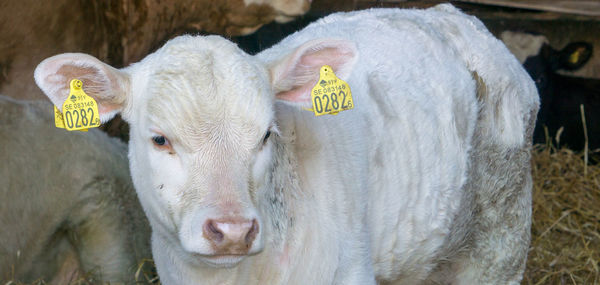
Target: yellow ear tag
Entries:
(331, 95)
(574, 57)
(80, 111)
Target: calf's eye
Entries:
(162, 143)
(159, 140)
(267, 135)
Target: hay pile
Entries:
(565, 241)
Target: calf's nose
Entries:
(231, 236)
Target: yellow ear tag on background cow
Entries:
(80, 111)
(331, 95)
(574, 57)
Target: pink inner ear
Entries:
(100, 81)
(94, 85)
(297, 95)
(302, 72)
(334, 57)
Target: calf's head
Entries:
(202, 120)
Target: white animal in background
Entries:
(68, 210)
(427, 179)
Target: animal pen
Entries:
(565, 240)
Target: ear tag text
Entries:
(331, 95)
(80, 111)
(59, 122)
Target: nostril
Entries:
(213, 229)
(212, 232)
(251, 235)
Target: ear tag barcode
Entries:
(80, 111)
(331, 95)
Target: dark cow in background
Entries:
(560, 117)
(563, 95)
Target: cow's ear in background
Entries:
(575, 55)
(107, 85)
(295, 75)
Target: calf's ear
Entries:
(294, 76)
(107, 85)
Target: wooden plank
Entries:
(324, 7)
(578, 7)
(363, 4)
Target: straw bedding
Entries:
(565, 244)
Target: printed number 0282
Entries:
(330, 100)
(81, 118)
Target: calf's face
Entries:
(202, 121)
(200, 148)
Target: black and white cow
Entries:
(561, 95)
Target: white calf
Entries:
(425, 180)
